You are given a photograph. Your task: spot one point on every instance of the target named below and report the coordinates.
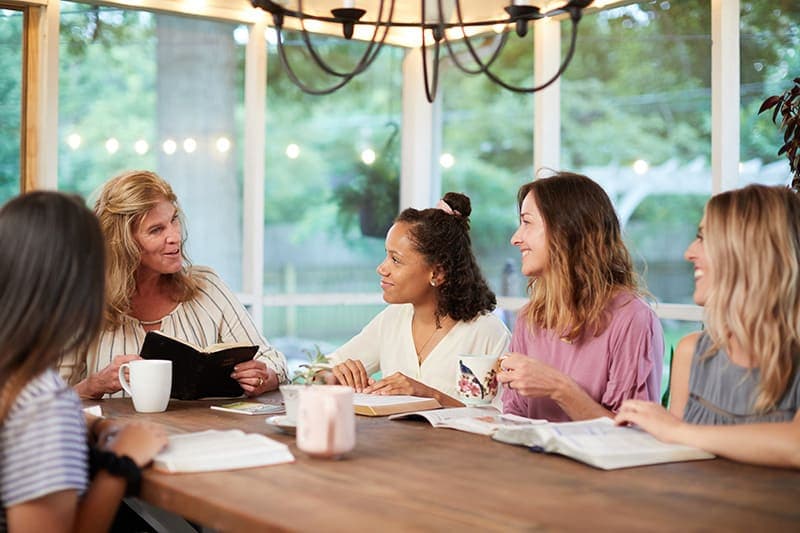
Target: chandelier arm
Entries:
(430, 89)
(481, 68)
(518, 89)
(366, 59)
(464, 68)
(297, 81)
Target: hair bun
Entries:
(458, 202)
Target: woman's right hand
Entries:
(105, 381)
(353, 374)
(140, 441)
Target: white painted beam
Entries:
(420, 175)
(725, 88)
(547, 102)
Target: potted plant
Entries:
(307, 374)
(372, 196)
(310, 372)
(787, 106)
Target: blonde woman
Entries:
(736, 386)
(586, 341)
(150, 285)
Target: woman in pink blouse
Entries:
(586, 341)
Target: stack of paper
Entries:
(220, 450)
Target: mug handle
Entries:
(122, 381)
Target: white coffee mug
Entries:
(326, 422)
(291, 399)
(150, 383)
(476, 379)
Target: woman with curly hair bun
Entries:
(586, 340)
(440, 307)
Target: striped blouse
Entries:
(43, 446)
(214, 316)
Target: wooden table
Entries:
(408, 476)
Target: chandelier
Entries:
(435, 24)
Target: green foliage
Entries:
(372, 195)
(114, 97)
(10, 103)
(310, 372)
(787, 106)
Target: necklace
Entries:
(151, 322)
(422, 348)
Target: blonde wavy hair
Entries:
(588, 261)
(752, 244)
(121, 205)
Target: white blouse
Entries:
(386, 344)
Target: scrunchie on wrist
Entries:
(115, 465)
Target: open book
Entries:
(198, 372)
(600, 443)
(210, 450)
(481, 420)
(249, 408)
(377, 405)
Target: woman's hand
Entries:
(106, 381)
(255, 377)
(353, 374)
(529, 376)
(399, 383)
(651, 417)
(140, 441)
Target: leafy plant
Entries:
(373, 195)
(787, 105)
(309, 373)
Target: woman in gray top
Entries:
(736, 386)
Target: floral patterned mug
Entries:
(477, 379)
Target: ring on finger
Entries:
(260, 381)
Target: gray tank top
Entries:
(721, 392)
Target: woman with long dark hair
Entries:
(51, 300)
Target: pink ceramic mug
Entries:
(326, 425)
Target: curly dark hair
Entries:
(443, 239)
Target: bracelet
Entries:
(115, 465)
(92, 429)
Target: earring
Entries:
(433, 283)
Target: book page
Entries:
(602, 436)
(249, 408)
(377, 400)
(218, 347)
(210, 450)
(601, 443)
(481, 420)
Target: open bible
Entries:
(211, 450)
(600, 443)
(484, 420)
(198, 372)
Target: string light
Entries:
(112, 145)
(74, 141)
(169, 146)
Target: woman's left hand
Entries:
(529, 376)
(399, 383)
(651, 417)
(255, 377)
